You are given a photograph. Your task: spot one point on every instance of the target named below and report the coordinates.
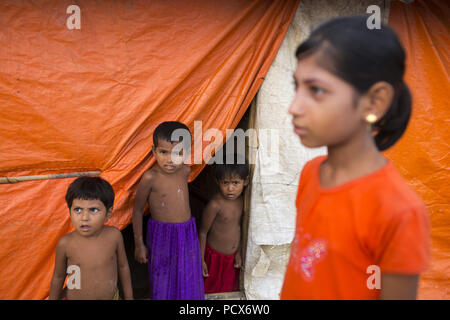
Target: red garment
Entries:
(342, 232)
(222, 275)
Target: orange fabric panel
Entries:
(90, 98)
(422, 155)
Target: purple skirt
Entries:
(174, 266)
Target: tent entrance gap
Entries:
(205, 186)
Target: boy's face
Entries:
(88, 216)
(168, 159)
(232, 187)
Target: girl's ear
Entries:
(246, 181)
(377, 100)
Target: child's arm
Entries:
(404, 248)
(59, 272)
(208, 216)
(124, 269)
(143, 190)
(238, 256)
(399, 286)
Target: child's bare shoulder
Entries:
(112, 232)
(186, 170)
(64, 241)
(149, 175)
(216, 201)
(148, 178)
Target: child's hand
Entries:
(237, 261)
(141, 254)
(205, 269)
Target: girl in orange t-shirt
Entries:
(361, 233)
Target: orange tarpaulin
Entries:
(422, 155)
(81, 99)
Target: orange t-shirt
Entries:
(342, 232)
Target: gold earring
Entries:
(371, 118)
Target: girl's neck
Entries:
(353, 159)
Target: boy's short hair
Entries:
(90, 188)
(166, 129)
(236, 167)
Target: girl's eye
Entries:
(94, 210)
(235, 182)
(317, 90)
(163, 152)
(77, 210)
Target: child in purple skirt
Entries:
(172, 248)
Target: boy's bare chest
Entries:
(170, 188)
(91, 254)
(230, 214)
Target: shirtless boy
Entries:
(172, 249)
(93, 254)
(220, 231)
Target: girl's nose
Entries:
(297, 105)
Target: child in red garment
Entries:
(220, 231)
(362, 232)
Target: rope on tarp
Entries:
(7, 180)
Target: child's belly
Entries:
(169, 209)
(224, 240)
(173, 213)
(95, 283)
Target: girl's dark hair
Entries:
(236, 166)
(165, 130)
(362, 57)
(90, 188)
